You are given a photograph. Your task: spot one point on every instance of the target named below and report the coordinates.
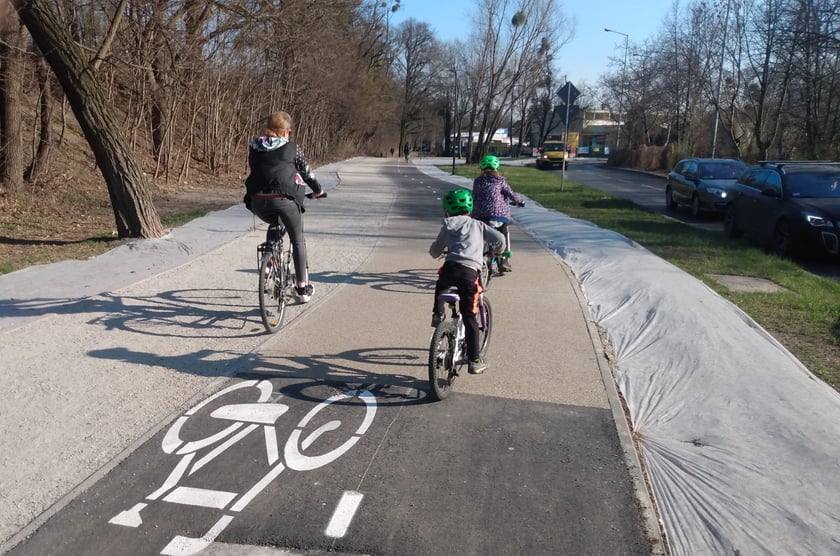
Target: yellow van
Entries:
(553, 153)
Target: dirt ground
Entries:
(70, 217)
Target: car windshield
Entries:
(814, 184)
(723, 170)
(553, 147)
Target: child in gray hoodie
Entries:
(462, 239)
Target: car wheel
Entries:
(730, 222)
(696, 212)
(782, 239)
(670, 203)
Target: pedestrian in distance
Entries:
(276, 187)
(407, 150)
(493, 197)
(461, 239)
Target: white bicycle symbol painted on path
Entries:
(244, 419)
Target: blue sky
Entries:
(587, 54)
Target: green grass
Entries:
(181, 218)
(805, 317)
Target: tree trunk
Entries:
(11, 78)
(134, 211)
(41, 162)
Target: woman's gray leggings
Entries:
(280, 210)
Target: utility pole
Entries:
(623, 86)
(720, 80)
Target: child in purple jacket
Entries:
(492, 199)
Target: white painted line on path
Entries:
(343, 515)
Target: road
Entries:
(183, 428)
(648, 190)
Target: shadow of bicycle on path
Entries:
(371, 368)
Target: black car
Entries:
(794, 207)
(702, 184)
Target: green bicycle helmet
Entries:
(489, 162)
(458, 201)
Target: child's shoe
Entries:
(477, 366)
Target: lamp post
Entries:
(455, 121)
(720, 80)
(623, 84)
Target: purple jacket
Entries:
(492, 197)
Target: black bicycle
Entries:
(277, 281)
(448, 349)
(277, 278)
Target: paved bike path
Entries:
(525, 458)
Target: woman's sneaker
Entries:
(304, 294)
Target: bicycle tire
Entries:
(485, 330)
(486, 271)
(272, 297)
(442, 366)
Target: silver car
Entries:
(703, 184)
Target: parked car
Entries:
(793, 207)
(702, 184)
(551, 154)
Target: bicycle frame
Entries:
(448, 348)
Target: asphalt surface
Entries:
(158, 417)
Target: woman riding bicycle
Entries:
(275, 190)
(492, 197)
(462, 239)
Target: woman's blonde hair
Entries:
(278, 122)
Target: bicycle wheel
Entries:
(486, 271)
(272, 298)
(485, 326)
(442, 368)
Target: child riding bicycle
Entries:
(462, 239)
(492, 197)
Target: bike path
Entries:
(526, 458)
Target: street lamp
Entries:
(623, 84)
(455, 120)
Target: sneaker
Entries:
(477, 366)
(436, 319)
(304, 294)
(504, 264)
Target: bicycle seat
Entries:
(450, 296)
(275, 232)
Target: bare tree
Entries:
(41, 157)
(813, 39)
(11, 77)
(507, 40)
(414, 43)
(767, 74)
(134, 211)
